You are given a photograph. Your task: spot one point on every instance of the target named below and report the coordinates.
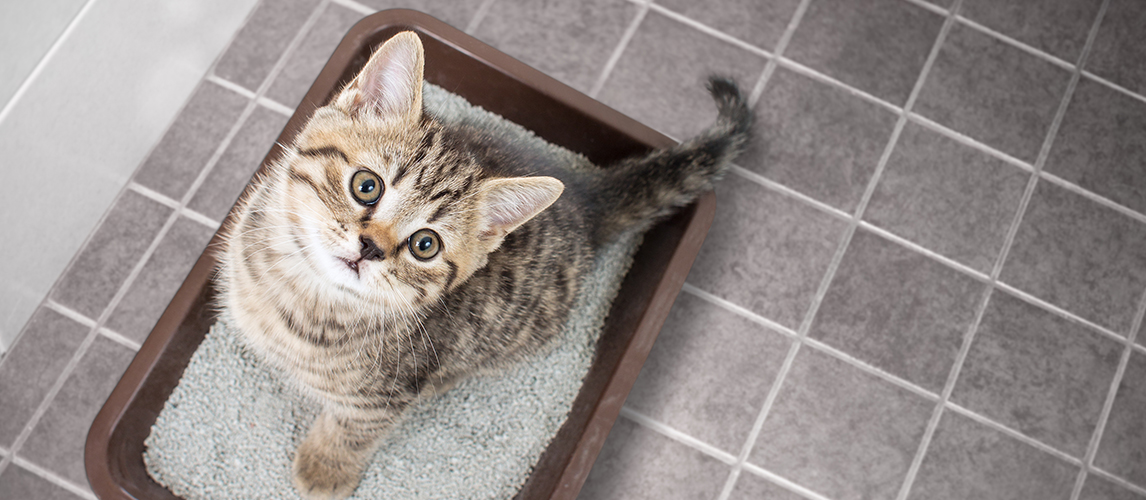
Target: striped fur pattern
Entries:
(388, 254)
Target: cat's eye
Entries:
(366, 187)
(425, 244)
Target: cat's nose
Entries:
(370, 250)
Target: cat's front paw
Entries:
(321, 474)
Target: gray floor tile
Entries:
(660, 78)
(708, 373)
(841, 432)
(878, 46)
(637, 463)
(234, 169)
(17, 482)
(758, 23)
(570, 41)
(32, 366)
(969, 460)
(1099, 145)
(108, 257)
(1079, 255)
(159, 279)
(1038, 373)
(752, 487)
(947, 197)
(897, 310)
(993, 92)
(176, 161)
(456, 13)
(817, 139)
(306, 61)
(1098, 488)
(1124, 440)
(57, 442)
(1118, 53)
(262, 40)
(1058, 27)
(766, 252)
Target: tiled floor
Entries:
(926, 280)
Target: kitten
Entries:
(388, 254)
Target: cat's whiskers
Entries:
(285, 274)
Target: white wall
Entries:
(88, 87)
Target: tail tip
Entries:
(724, 88)
(731, 103)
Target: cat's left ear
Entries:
(389, 88)
(507, 203)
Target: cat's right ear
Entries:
(389, 88)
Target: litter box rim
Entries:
(552, 110)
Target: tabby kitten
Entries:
(389, 254)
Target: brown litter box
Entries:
(503, 85)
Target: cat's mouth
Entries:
(352, 264)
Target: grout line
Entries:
(807, 71)
(229, 85)
(1012, 433)
(156, 196)
(911, 245)
(863, 366)
(1029, 49)
(928, 6)
(276, 106)
(53, 478)
(1119, 481)
(789, 192)
(119, 339)
(782, 482)
(1114, 86)
(48, 56)
(355, 6)
(200, 218)
(611, 62)
(70, 313)
(1111, 395)
(781, 46)
(997, 269)
(709, 30)
(123, 288)
(170, 203)
(1067, 315)
(1092, 196)
(678, 436)
(479, 16)
(734, 308)
(969, 141)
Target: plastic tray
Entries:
(503, 85)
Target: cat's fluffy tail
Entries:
(639, 190)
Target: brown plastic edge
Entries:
(598, 416)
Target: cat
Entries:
(387, 254)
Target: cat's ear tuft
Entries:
(389, 88)
(507, 203)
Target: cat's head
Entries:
(385, 204)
